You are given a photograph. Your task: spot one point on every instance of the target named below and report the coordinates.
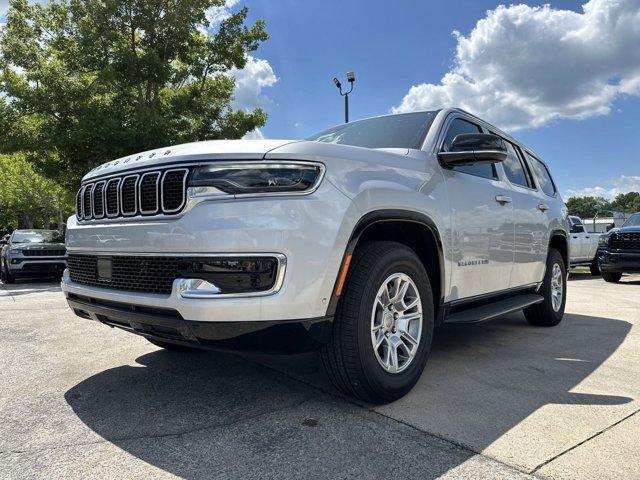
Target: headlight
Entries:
(603, 240)
(255, 178)
(15, 250)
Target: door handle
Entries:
(587, 237)
(542, 207)
(503, 199)
(575, 237)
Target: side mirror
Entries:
(474, 148)
(610, 226)
(577, 228)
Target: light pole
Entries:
(351, 77)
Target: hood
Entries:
(625, 230)
(37, 246)
(207, 150)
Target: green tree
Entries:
(28, 199)
(626, 202)
(87, 81)
(586, 207)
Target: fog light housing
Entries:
(213, 277)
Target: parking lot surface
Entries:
(498, 400)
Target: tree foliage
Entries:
(587, 207)
(87, 81)
(28, 199)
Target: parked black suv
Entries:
(32, 253)
(619, 250)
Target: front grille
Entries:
(137, 194)
(625, 241)
(129, 273)
(44, 252)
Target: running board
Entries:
(495, 309)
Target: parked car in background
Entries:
(619, 250)
(358, 241)
(33, 253)
(584, 246)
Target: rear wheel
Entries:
(612, 277)
(595, 267)
(383, 326)
(550, 312)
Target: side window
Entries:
(542, 175)
(456, 127)
(514, 167)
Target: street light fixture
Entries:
(351, 78)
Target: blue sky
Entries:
(393, 46)
(564, 79)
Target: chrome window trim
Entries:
(117, 214)
(135, 195)
(178, 283)
(93, 194)
(184, 189)
(139, 193)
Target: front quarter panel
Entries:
(377, 180)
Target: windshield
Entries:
(633, 221)
(37, 236)
(406, 130)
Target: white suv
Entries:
(359, 241)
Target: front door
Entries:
(482, 223)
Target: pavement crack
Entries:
(588, 439)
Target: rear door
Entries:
(530, 245)
(482, 221)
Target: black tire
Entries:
(543, 314)
(171, 346)
(349, 357)
(611, 277)
(594, 268)
(6, 277)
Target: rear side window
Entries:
(514, 168)
(542, 175)
(456, 127)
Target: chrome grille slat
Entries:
(146, 193)
(87, 202)
(98, 200)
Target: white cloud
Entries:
(255, 134)
(215, 15)
(525, 66)
(256, 75)
(613, 187)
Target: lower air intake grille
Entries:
(130, 273)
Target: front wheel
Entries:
(594, 268)
(611, 277)
(383, 326)
(5, 276)
(550, 312)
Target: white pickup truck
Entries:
(584, 246)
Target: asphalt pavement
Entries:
(498, 400)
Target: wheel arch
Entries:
(560, 241)
(414, 229)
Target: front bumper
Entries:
(26, 266)
(310, 231)
(621, 262)
(290, 336)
